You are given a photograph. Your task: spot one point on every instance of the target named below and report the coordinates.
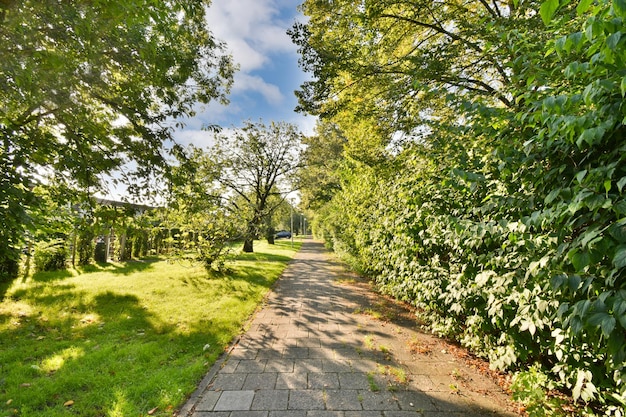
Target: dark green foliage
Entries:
(9, 268)
(51, 256)
(85, 245)
(139, 243)
(100, 254)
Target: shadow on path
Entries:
(316, 349)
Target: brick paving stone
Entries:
(336, 365)
(324, 413)
(250, 366)
(415, 401)
(273, 353)
(270, 400)
(296, 352)
(381, 400)
(366, 414)
(321, 353)
(280, 365)
(343, 400)
(364, 365)
(239, 353)
(294, 380)
(348, 352)
(320, 380)
(309, 342)
(353, 380)
(308, 365)
(265, 380)
(249, 414)
(229, 367)
(410, 414)
(228, 382)
(208, 401)
(290, 413)
(306, 400)
(234, 400)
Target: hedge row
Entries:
(509, 233)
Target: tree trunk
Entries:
(251, 234)
(122, 247)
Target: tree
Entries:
(258, 162)
(88, 87)
(198, 222)
(318, 179)
(395, 60)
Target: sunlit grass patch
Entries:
(124, 339)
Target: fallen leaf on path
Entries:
(68, 403)
(153, 411)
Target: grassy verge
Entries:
(123, 339)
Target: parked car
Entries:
(282, 233)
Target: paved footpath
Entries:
(316, 348)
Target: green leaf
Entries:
(619, 307)
(583, 6)
(607, 325)
(596, 319)
(623, 86)
(613, 40)
(620, 5)
(619, 259)
(548, 9)
(579, 259)
(553, 195)
(588, 237)
(557, 281)
(573, 282)
(561, 45)
(618, 231)
(620, 207)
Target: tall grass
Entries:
(123, 339)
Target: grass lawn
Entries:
(123, 339)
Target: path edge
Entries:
(187, 408)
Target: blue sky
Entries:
(255, 34)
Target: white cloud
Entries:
(245, 82)
(252, 29)
(198, 138)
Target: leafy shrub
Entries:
(100, 254)
(9, 268)
(85, 245)
(530, 388)
(50, 256)
(513, 240)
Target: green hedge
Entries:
(51, 256)
(509, 233)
